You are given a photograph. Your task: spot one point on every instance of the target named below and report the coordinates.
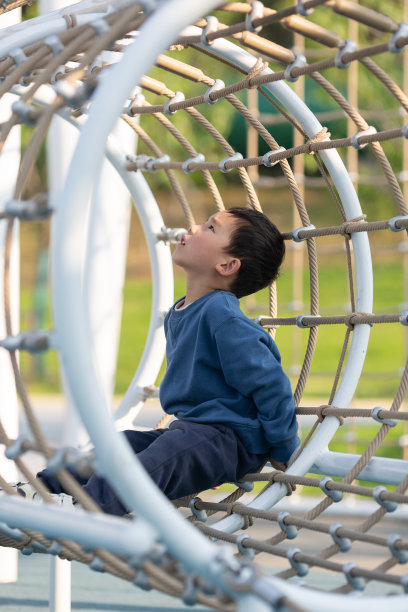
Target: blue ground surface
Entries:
(90, 591)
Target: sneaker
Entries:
(25, 489)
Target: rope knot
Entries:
(347, 226)
(258, 68)
(237, 508)
(322, 135)
(358, 317)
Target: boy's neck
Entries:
(196, 289)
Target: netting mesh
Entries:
(210, 115)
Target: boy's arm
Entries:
(251, 367)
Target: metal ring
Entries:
(300, 62)
(211, 26)
(402, 32)
(192, 160)
(354, 139)
(266, 158)
(222, 163)
(257, 12)
(219, 84)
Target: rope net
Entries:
(208, 90)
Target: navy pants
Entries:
(182, 459)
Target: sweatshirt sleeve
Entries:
(251, 364)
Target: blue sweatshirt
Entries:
(224, 368)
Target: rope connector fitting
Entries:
(355, 139)
(290, 530)
(172, 235)
(247, 485)
(300, 321)
(210, 27)
(357, 582)
(178, 97)
(266, 159)
(257, 12)
(54, 43)
(33, 342)
(27, 210)
(200, 514)
(218, 85)
(389, 505)
(401, 33)
(16, 449)
(198, 159)
(301, 568)
(300, 62)
(149, 165)
(26, 112)
(335, 494)
(375, 415)
(246, 551)
(343, 543)
(392, 223)
(349, 47)
(222, 163)
(404, 318)
(399, 553)
(300, 9)
(295, 233)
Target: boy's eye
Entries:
(211, 227)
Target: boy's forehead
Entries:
(222, 217)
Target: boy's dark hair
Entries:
(260, 247)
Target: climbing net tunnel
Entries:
(155, 68)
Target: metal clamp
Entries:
(55, 548)
(211, 26)
(178, 97)
(97, 565)
(295, 233)
(28, 210)
(25, 112)
(300, 62)
(142, 581)
(349, 47)
(200, 514)
(149, 165)
(138, 100)
(354, 139)
(290, 530)
(404, 318)
(247, 485)
(402, 32)
(344, 543)
(301, 568)
(357, 582)
(374, 414)
(74, 96)
(404, 583)
(18, 56)
(257, 12)
(266, 158)
(392, 222)
(54, 43)
(300, 9)
(33, 342)
(189, 595)
(300, 321)
(198, 159)
(246, 551)
(399, 553)
(219, 84)
(389, 505)
(16, 449)
(335, 494)
(222, 163)
(172, 235)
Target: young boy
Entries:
(224, 382)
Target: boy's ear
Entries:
(230, 267)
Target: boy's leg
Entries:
(191, 457)
(96, 486)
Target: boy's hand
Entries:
(278, 465)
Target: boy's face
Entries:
(202, 249)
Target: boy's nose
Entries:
(192, 229)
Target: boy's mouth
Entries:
(183, 240)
